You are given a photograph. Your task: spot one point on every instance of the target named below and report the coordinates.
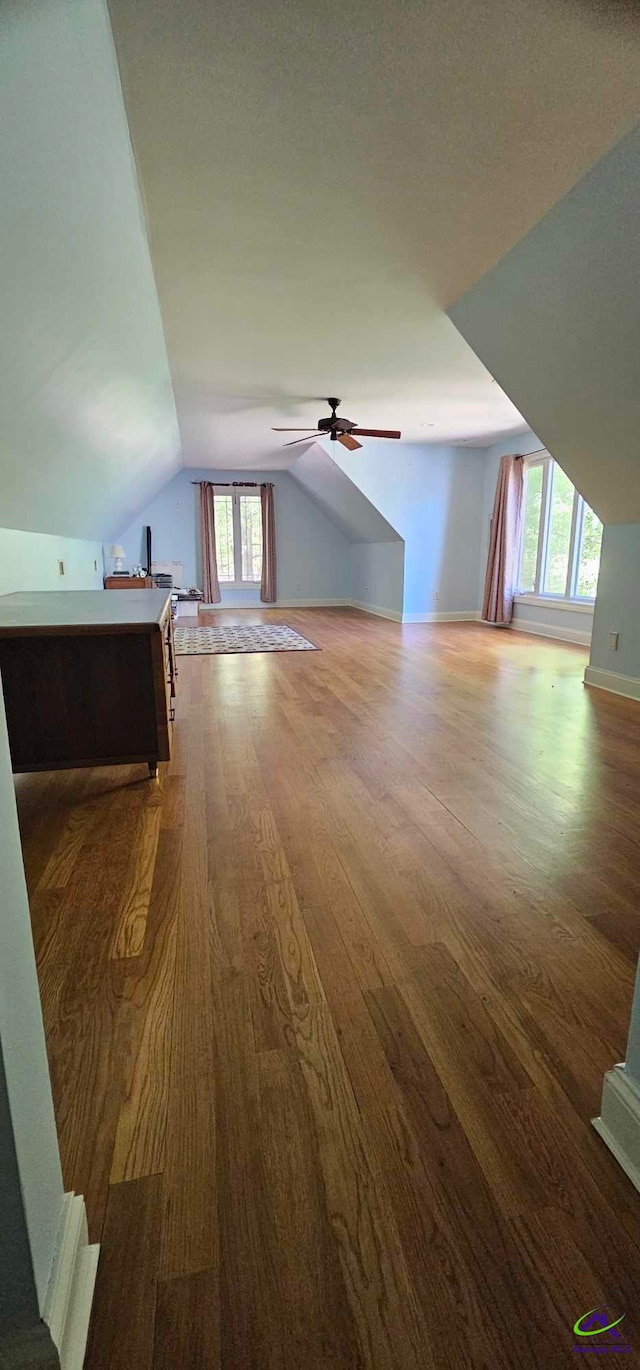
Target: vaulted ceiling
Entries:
(319, 181)
(558, 321)
(322, 179)
(88, 427)
(339, 497)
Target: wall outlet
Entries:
(60, 568)
(613, 641)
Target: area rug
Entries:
(259, 637)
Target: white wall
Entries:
(29, 561)
(313, 555)
(23, 1044)
(433, 497)
(618, 602)
(377, 576)
(88, 429)
(548, 620)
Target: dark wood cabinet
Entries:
(88, 678)
(116, 582)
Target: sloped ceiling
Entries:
(88, 429)
(323, 178)
(337, 496)
(558, 323)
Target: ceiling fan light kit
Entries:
(339, 430)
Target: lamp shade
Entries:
(116, 550)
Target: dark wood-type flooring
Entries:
(328, 1006)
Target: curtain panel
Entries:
(268, 587)
(211, 584)
(497, 605)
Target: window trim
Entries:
(570, 599)
(234, 494)
(573, 606)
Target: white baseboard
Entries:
(619, 1121)
(616, 684)
(310, 604)
(284, 604)
(528, 625)
(70, 1292)
(457, 616)
(376, 609)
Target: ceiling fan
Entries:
(339, 430)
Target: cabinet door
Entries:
(79, 699)
(162, 691)
(170, 646)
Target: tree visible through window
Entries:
(560, 540)
(251, 534)
(589, 557)
(531, 527)
(238, 521)
(223, 512)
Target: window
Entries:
(238, 519)
(560, 539)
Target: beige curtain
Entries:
(497, 606)
(268, 588)
(211, 584)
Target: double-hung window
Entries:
(559, 553)
(238, 521)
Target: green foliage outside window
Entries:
(570, 559)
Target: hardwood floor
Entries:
(328, 1006)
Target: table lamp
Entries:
(117, 552)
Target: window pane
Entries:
(562, 492)
(530, 526)
(251, 536)
(589, 561)
(223, 510)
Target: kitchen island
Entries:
(88, 678)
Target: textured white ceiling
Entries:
(322, 179)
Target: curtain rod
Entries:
(254, 484)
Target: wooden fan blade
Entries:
(377, 432)
(295, 440)
(293, 430)
(348, 441)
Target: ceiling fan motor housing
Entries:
(333, 426)
(336, 425)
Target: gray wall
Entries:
(88, 427)
(377, 576)
(23, 1046)
(557, 323)
(618, 602)
(632, 1062)
(18, 1298)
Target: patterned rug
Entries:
(260, 637)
